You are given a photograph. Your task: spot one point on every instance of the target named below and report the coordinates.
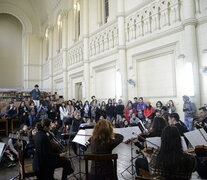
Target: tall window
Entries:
(77, 18)
(47, 43)
(59, 23)
(106, 10)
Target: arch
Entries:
(19, 14)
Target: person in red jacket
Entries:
(148, 111)
(129, 110)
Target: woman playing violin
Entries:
(170, 161)
(158, 125)
(103, 141)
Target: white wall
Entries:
(11, 59)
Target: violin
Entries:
(201, 150)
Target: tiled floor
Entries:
(124, 156)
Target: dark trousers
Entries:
(48, 172)
(142, 164)
(201, 168)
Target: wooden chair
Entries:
(16, 120)
(144, 175)
(101, 157)
(6, 126)
(25, 170)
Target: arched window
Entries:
(47, 43)
(76, 7)
(59, 24)
(106, 10)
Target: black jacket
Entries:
(43, 154)
(110, 110)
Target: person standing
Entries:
(189, 110)
(35, 94)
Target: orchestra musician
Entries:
(158, 125)
(202, 123)
(103, 141)
(170, 161)
(45, 160)
(174, 119)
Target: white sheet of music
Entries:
(128, 132)
(184, 144)
(195, 138)
(157, 141)
(82, 136)
(2, 147)
(154, 140)
(203, 132)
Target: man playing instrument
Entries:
(46, 161)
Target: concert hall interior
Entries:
(103, 89)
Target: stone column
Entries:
(64, 50)
(51, 30)
(26, 44)
(190, 43)
(86, 73)
(121, 61)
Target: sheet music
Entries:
(2, 147)
(184, 145)
(203, 132)
(157, 141)
(82, 136)
(128, 132)
(154, 140)
(195, 138)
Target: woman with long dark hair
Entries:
(170, 161)
(157, 127)
(129, 110)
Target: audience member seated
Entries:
(170, 161)
(129, 111)
(148, 111)
(103, 141)
(42, 111)
(134, 120)
(11, 113)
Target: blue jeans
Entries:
(31, 120)
(188, 123)
(109, 118)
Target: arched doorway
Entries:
(11, 56)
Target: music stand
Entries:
(80, 139)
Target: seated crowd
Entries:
(169, 162)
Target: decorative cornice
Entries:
(191, 21)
